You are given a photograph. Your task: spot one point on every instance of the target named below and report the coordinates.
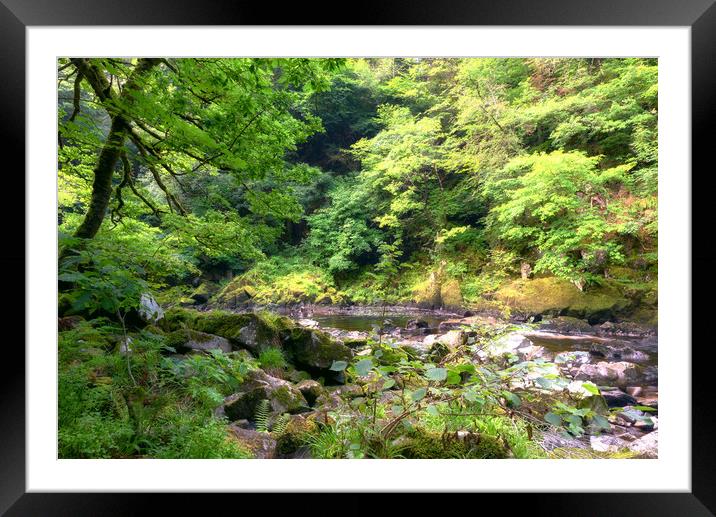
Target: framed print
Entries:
(263, 248)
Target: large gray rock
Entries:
(149, 309)
(313, 349)
(617, 398)
(647, 446)
(261, 445)
(192, 340)
(282, 396)
(605, 373)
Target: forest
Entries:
(357, 258)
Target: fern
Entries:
(262, 415)
(279, 427)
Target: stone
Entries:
(68, 322)
(261, 445)
(567, 325)
(310, 390)
(149, 309)
(507, 344)
(647, 446)
(607, 443)
(294, 434)
(605, 373)
(617, 398)
(192, 340)
(283, 397)
(314, 350)
(578, 357)
(417, 324)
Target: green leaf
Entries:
(338, 366)
(553, 419)
(591, 388)
(453, 377)
(388, 384)
(601, 422)
(512, 399)
(418, 394)
(544, 383)
(363, 367)
(436, 374)
(432, 410)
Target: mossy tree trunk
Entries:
(114, 144)
(102, 182)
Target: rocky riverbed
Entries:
(620, 358)
(568, 355)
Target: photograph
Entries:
(357, 258)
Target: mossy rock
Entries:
(568, 325)
(557, 297)
(451, 295)
(248, 330)
(186, 340)
(310, 389)
(283, 397)
(204, 292)
(427, 293)
(313, 349)
(424, 445)
(260, 445)
(295, 433)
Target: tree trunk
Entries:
(102, 183)
(112, 149)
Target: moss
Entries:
(450, 294)
(295, 435)
(427, 293)
(177, 318)
(315, 349)
(555, 296)
(424, 445)
(204, 292)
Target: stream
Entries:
(585, 349)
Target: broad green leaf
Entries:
(338, 366)
(512, 399)
(363, 367)
(418, 394)
(553, 419)
(436, 374)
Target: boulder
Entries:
(647, 446)
(283, 397)
(313, 349)
(605, 373)
(306, 322)
(578, 357)
(608, 443)
(261, 445)
(452, 339)
(310, 390)
(149, 309)
(203, 292)
(294, 433)
(192, 340)
(617, 398)
(249, 330)
(68, 322)
(508, 344)
(417, 324)
(567, 325)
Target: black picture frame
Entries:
(700, 15)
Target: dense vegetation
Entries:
(520, 188)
